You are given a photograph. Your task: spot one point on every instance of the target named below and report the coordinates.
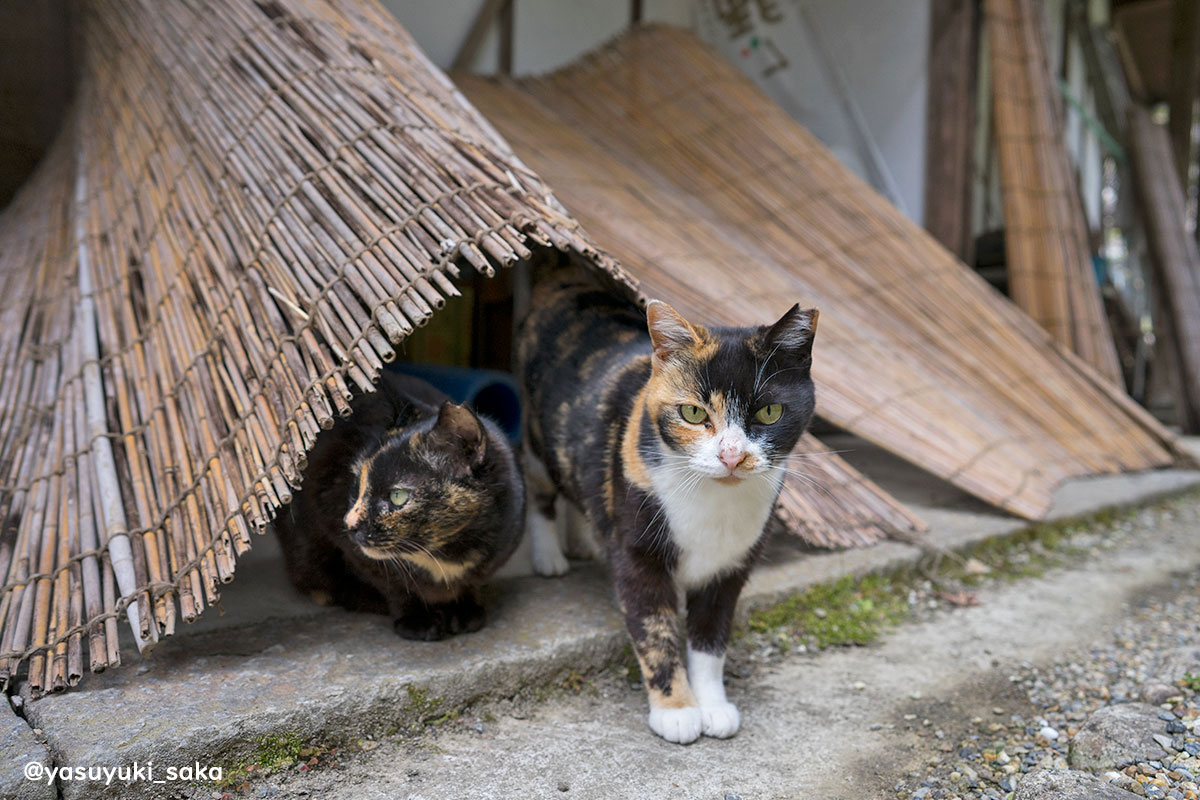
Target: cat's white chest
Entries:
(713, 525)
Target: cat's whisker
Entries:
(403, 567)
(780, 372)
(434, 559)
(763, 366)
(819, 454)
(807, 479)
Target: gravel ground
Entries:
(1141, 658)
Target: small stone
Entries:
(1163, 740)
(859, 686)
(997, 711)
(976, 567)
(563, 786)
(874, 726)
(1048, 733)
(820, 613)
(1116, 735)
(1044, 784)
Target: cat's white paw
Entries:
(545, 552)
(720, 721)
(549, 563)
(681, 725)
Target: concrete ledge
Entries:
(18, 747)
(278, 666)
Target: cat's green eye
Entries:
(769, 415)
(398, 497)
(693, 414)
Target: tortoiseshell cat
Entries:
(407, 507)
(674, 444)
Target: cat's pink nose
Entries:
(732, 456)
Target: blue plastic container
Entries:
(493, 394)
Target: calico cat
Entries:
(407, 507)
(673, 438)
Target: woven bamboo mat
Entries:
(251, 206)
(715, 198)
(249, 209)
(1045, 232)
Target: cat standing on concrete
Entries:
(407, 507)
(674, 444)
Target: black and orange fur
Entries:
(345, 543)
(602, 411)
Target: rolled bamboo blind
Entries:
(1048, 253)
(251, 206)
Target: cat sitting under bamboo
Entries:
(407, 507)
(673, 438)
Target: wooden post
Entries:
(479, 28)
(1100, 55)
(1175, 254)
(507, 13)
(1185, 69)
(950, 130)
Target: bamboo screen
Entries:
(1048, 254)
(248, 211)
(715, 198)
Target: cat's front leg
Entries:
(648, 599)
(415, 618)
(542, 521)
(710, 619)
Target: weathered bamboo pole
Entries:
(1176, 258)
(116, 530)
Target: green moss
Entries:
(421, 706)
(271, 753)
(277, 750)
(847, 612)
(1031, 552)
(1191, 681)
(449, 716)
(629, 664)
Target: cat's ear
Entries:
(459, 433)
(794, 332)
(670, 333)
